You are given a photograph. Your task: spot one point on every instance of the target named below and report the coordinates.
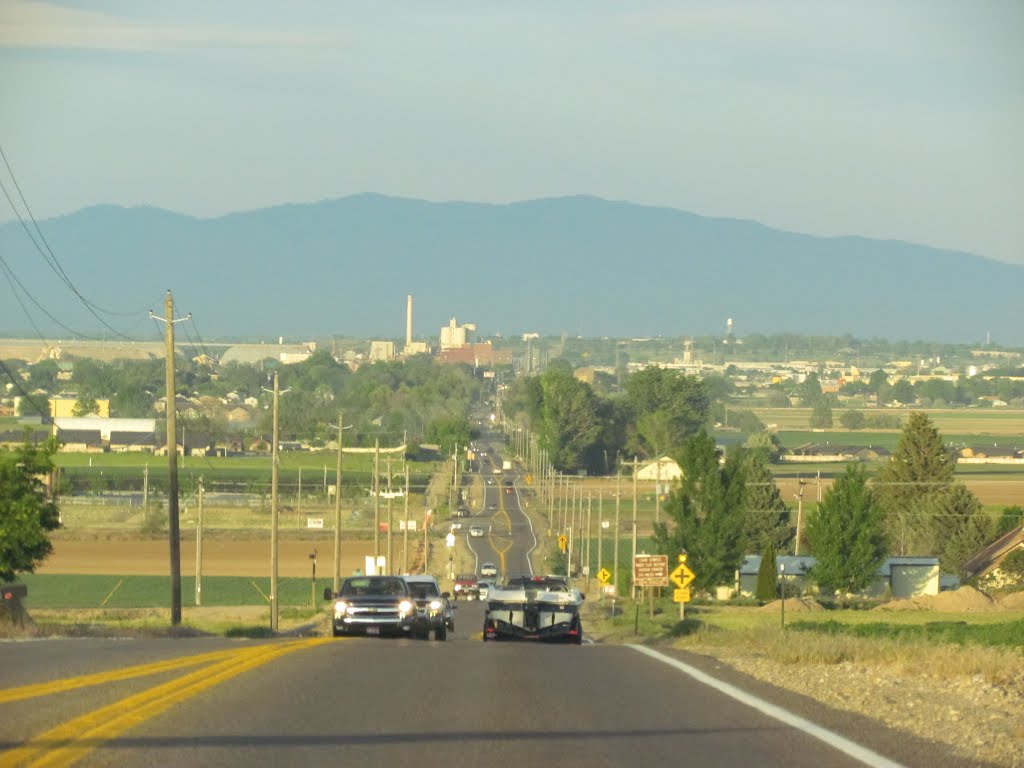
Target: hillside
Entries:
(579, 265)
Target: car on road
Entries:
(542, 608)
(373, 605)
(465, 587)
(476, 531)
(488, 569)
(456, 525)
(434, 611)
(484, 587)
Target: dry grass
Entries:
(998, 666)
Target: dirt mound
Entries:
(1013, 601)
(908, 604)
(795, 604)
(963, 600)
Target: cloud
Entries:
(35, 24)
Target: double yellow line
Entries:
(69, 742)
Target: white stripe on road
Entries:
(519, 501)
(834, 740)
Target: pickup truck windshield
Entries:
(372, 585)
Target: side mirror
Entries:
(446, 595)
(328, 593)
(583, 597)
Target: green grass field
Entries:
(56, 591)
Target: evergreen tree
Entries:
(921, 467)
(960, 528)
(766, 576)
(766, 520)
(847, 535)
(707, 511)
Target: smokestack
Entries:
(408, 320)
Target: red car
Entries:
(466, 586)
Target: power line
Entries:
(26, 395)
(49, 256)
(9, 274)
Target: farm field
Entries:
(951, 422)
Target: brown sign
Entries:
(650, 571)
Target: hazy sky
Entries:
(885, 119)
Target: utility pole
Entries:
(634, 464)
(199, 546)
(376, 503)
(337, 509)
(618, 500)
(145, 489)
(391, 522)
(600, 537)
(657, 490)
(274, 471)
(173, 532)
(799, 516)
(405, 528)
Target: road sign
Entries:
(650, 571)
(450, 539)
(682, 576)
(603, 576)
(529, 479)
(563, 542)
(681, 595)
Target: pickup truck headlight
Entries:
(435, 605)
(406, 607)
(340, 607)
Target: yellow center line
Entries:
(69, 742)
(8, 695)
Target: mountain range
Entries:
(578, 265)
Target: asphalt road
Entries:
(405, 702)
(509, 538)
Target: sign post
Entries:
(682, 577)
(650, 571)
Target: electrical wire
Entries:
(201, 342)
(48, 255)
(9, 274)
(17, 385)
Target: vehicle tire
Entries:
(440, 633)
(335, 632)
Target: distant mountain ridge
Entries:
(581, 265)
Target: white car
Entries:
(476, 531)
(488, 569)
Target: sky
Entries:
(895, 120)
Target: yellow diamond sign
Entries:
(681, 576)
(603, 576)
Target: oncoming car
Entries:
(373, 605)
(434, 611)
(476, 531)
(488, 569)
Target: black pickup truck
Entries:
(373, 605)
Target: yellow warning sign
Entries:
(604, 576)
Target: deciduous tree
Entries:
(27, 512)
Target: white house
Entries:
(664, 469)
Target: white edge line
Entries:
(834, 740)
(533, 534)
